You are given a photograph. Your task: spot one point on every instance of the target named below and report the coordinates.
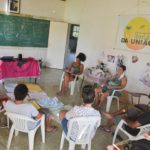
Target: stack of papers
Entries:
(38, 95)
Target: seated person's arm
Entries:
(133, 124)
(35, 113)
(143, 119)
(38, 116)
(123, 84)
(68, 69)
(81, 69)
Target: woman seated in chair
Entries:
(75, 68)
(118, 81)
(84, 110)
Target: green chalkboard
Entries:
(23, 31)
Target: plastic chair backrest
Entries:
(116, 90)
(143, 129)
(20, 121)
(86, 128)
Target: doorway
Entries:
(71, 44)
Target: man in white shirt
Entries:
(84, 110)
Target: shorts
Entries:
(64, 123)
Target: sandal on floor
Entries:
(104, 128)
(51, 129)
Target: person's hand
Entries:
(109, 87)
(147, 137)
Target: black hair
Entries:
(81, 56)
(20, 92)
(123, 67)
(88, 94)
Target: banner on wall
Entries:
(134, 33)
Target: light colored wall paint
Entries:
(53, 9)
(73, 10)
(98, 30)
(98, 21)
(49, 9)
(57, 45)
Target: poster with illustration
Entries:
(134, 33)
(135, 59)
(145, 77)
(111, 58)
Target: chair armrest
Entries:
(116, 90)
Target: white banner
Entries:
(134, 33)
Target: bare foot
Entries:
(107, 115)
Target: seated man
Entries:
(80, 111)
(135, 116)
(118, 81)
(27, 109)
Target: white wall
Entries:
(49, 9)
(98, 29)
(57, 45)
(98, 21)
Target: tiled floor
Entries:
(49, 82)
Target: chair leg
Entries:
(109, 100)
(31, 135)
(10, 136)
(16, 133)
(89, 145)
(61, 81)
(62, 141)
(117, 102)
(43, 128)
(8, 122)
(72, 87)
(83, 146)
(71, 146)
(114, 138)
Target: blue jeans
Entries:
(64, 123)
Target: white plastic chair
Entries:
(4, 103)
(20, 123)
(72, 84)
(111, 97)
(142, 130)
(85, 132)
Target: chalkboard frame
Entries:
(22, 31)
